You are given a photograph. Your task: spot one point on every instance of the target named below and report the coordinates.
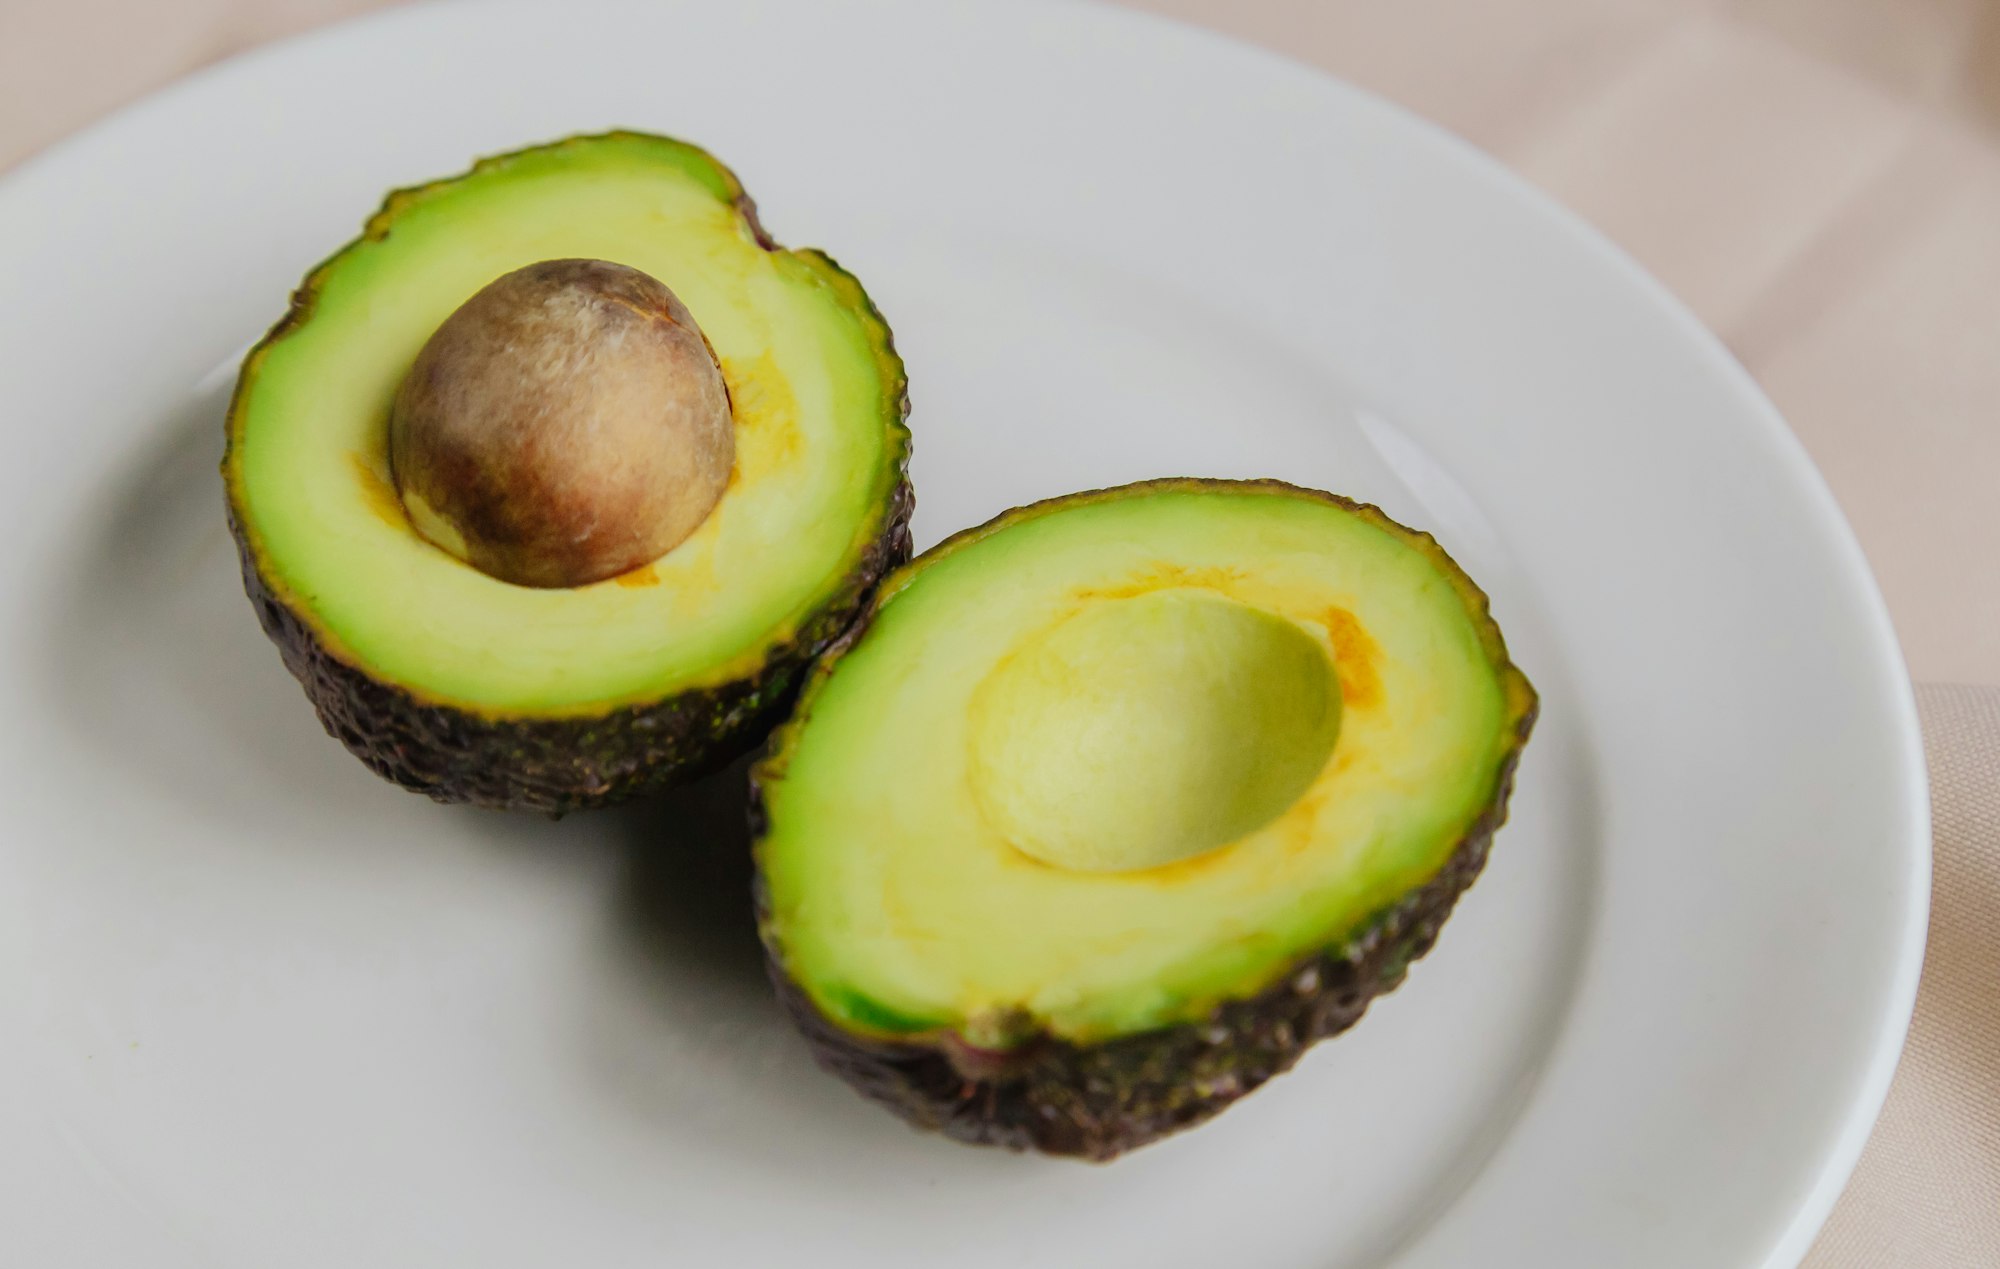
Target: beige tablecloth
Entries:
(1819, 179)
(1927, 1193)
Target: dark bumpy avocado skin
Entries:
(558, 765)
(561, 764)
(1098, 1101)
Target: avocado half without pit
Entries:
(1111, 807)
(550, 485)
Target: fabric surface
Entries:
(1927, 1192)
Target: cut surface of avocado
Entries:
(1088, 757)
(814, 388)
(1111, 761)
(452, 682)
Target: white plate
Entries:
(259, 1009)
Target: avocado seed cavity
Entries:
(1142, 732)
(566, 424)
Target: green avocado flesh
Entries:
(1111, 761)
(816, 394)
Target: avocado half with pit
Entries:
(1114, 805)
(550, 484)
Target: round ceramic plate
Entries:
(258, 1008)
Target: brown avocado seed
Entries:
(566, 424)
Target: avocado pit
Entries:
(567, 424)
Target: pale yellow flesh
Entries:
(309, 443)
(901, 901)
(1145, 731)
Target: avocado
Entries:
(591, 336)
(1111, 807)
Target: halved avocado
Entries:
(471, 689)
(1114, 805)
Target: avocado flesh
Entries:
(471, 689)
(1085, 1003)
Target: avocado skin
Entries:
(1098, 1101)
(562, 763)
